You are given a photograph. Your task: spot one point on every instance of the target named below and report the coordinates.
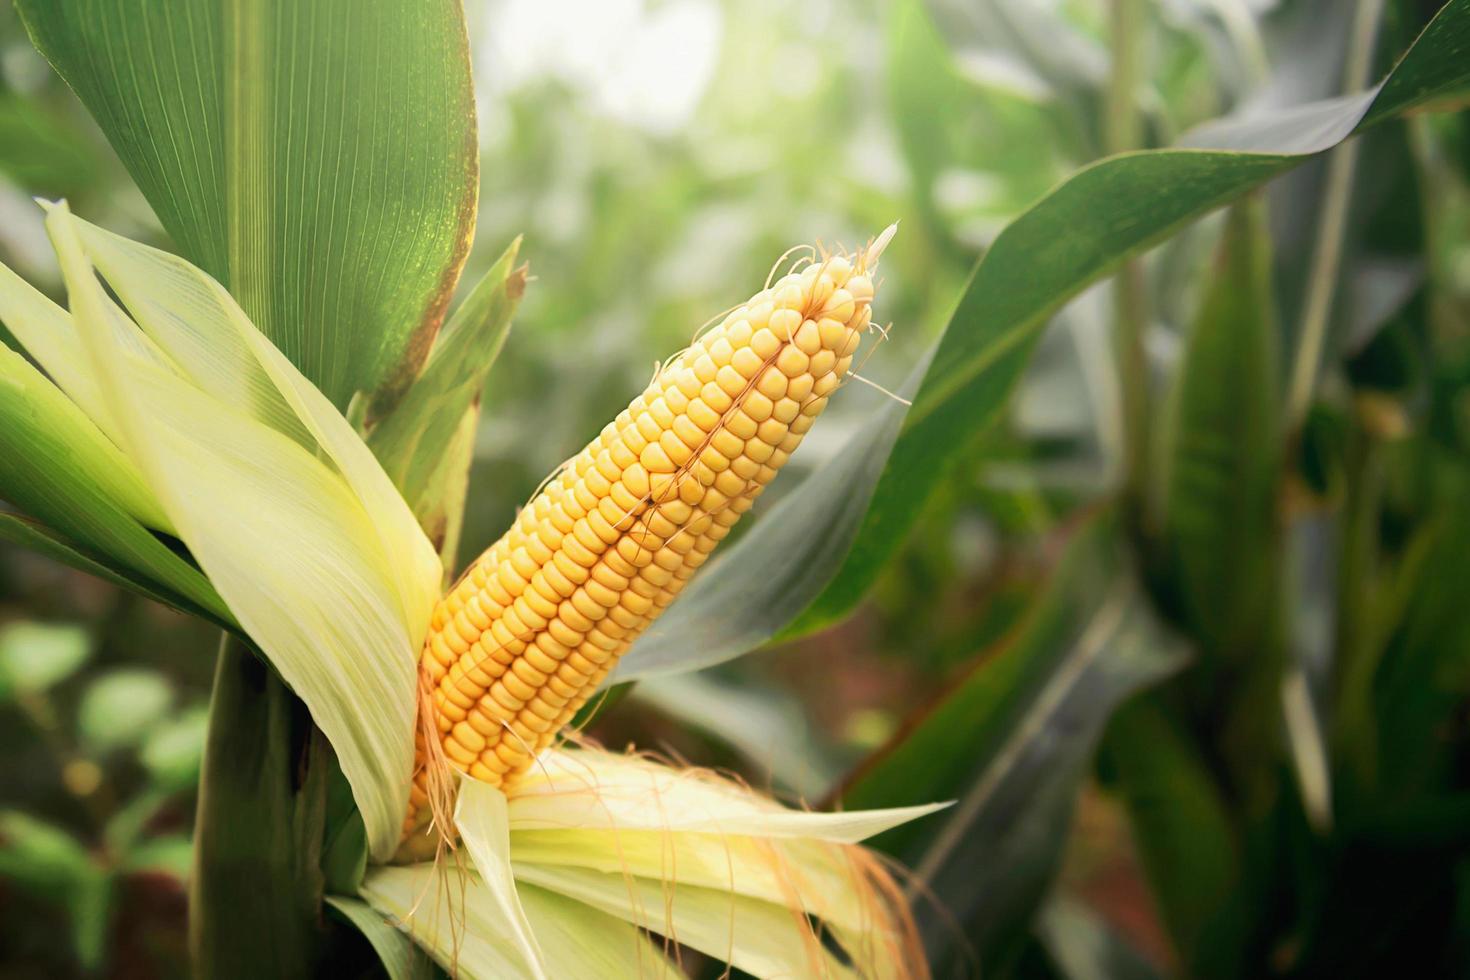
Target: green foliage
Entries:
(56, 868)
(1010, 743)
(120, 708)
(1221, 463)
(290, 151)
(1072, 237)
(1294, 794)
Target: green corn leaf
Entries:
(412, 441)
(318, 158)
(1223, 451)
(58, 467)
(401, 958)
(1011, 742)
(1183, 828)
(34, 536)
(862, 508)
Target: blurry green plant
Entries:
(121, 711)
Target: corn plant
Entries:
(270, 427)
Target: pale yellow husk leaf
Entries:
(276, 497)
(682, 854)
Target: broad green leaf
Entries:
(412, 440)
(35, 656)
(246, 909)
(1222, 454)
(44, 153)
(320, 159)
(34, 536)
(1075, 235)
(280, 502)
(401, 958)
(1395, 710)
(120, 708)
(1012, 741)
(1182, 827)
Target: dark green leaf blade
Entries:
(1012, 741)
(1222, 452)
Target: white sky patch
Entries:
(643, 64)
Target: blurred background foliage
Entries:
(1294, 798)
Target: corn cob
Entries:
(537, 622)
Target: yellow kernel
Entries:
(635, 478)
(758, 451)
(772, 383)
(792, 362)
(674, 449)
(713, 459)
(784, 324)
(730, 381)
(689, 433)
(822, 289)
(702, 415)
(714, 396)
(727, 444)
(765, 344)
(757, 406)
(841, 306)
(744, 467)
(808, 338)
(687, 382)
(833, 333)
(677, 511)
(648, 426)
(741, 424)
(771, 431)
(660, 412)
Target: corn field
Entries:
(696, 488)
